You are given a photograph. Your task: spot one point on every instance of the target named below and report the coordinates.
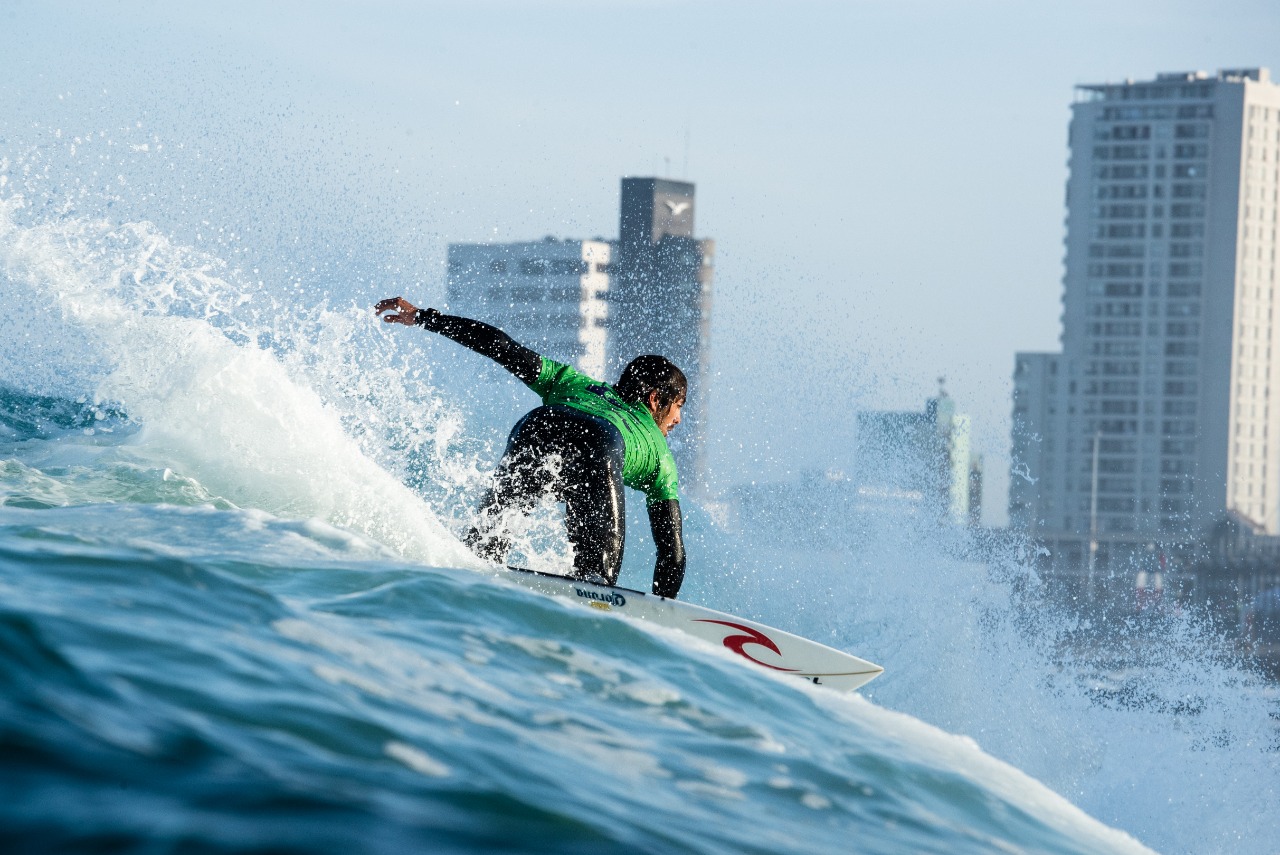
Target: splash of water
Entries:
(315, 413)
(257, 401)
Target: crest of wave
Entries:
(270, 402)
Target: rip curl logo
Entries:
(612, 598)
(752, 636)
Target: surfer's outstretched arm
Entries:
(484, 339)
(668, 536)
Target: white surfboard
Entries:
(759, 644)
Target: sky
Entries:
(884, 178)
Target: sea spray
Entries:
(124, 316)
(308, 437)
(1155, 733)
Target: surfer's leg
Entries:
(487, 538)
(517, 482)
(595, 513)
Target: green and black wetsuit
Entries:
(603, 441)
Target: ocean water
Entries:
(235, 615)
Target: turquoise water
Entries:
(182, 671)
(235, 615)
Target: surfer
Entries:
(582, 445)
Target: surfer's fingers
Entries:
(391, 303)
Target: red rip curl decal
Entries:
(753, 636)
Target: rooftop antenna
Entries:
(684, 173)
(666, 172)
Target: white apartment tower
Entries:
(550, 295)
(1162, 412)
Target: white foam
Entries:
(416, 759)
(961, 755)
(165, 332)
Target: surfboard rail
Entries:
(762, 645)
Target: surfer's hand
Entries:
(406, 313)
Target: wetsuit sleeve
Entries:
(668, 536)
(485, 340)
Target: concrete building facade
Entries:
(1034, 467)
(660, 301)
(1162, 413)
(551, 295)
(922, 457)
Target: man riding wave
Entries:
(606, 436)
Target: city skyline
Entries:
(885, 190)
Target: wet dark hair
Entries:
(651, 373)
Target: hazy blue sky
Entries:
(884, 179)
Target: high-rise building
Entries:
(550, 295)
(1034, 467)
(660, 301)
(925, 457)
(976, 468)
(1162, 413)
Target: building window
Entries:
(1191, 151)
(1180, 388)
(1187, 191)
(1178, 447)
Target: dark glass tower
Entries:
(660, 301)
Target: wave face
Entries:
(182, 671)
(235, 615)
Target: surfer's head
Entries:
(656, 383)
